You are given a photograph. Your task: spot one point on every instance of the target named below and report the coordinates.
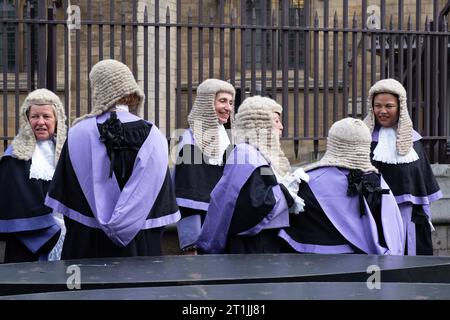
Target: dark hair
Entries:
(132, 101)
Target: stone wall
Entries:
(209, 7)
(441, 240)
(104, 8)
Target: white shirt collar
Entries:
(43, 161)
(386, 150)
(122, 107)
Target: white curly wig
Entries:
(404, 127)
(25, 142)
(255, 125)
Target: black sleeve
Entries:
(415, 178)
(186, 212)
(165, 202)
(255, 201)
(194, 178)
(313, 226)
(20, 196)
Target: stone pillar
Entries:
(163, 5)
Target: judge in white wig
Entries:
(398, 154)
(250, 203)
(201, 156)
(112, 182)
(348, 206)
(28, 229)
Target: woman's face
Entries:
(43, 121)
(386, 109)
(278, 125)
(223, 104)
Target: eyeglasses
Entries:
(388, 107)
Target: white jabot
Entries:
(291, 181)
(224, 142)
(386, 150)
(43, 161)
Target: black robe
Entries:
(255, 201)
(314, 227)
(194, 178)
(83, 241)
(413, 184)
(26, 224)
(248, 207)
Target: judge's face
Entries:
(278, 125)
(43, 121)
(386, 109)
(223, 105)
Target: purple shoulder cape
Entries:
(329, 185)
(243, 161)
(8, 151)
(121, 215)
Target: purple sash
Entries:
(329, 185)
(121, 215)
(240, 165)
(8, 151)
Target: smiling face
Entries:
(223, 105)
(42, 120)
(278, 125)
(386, 109)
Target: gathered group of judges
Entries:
(104, 189)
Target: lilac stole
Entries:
(44, 227)
(34, 240)
(8, 151)
(243, 161)
(121, 215)
(329, 185)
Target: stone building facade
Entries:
(211, 13)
